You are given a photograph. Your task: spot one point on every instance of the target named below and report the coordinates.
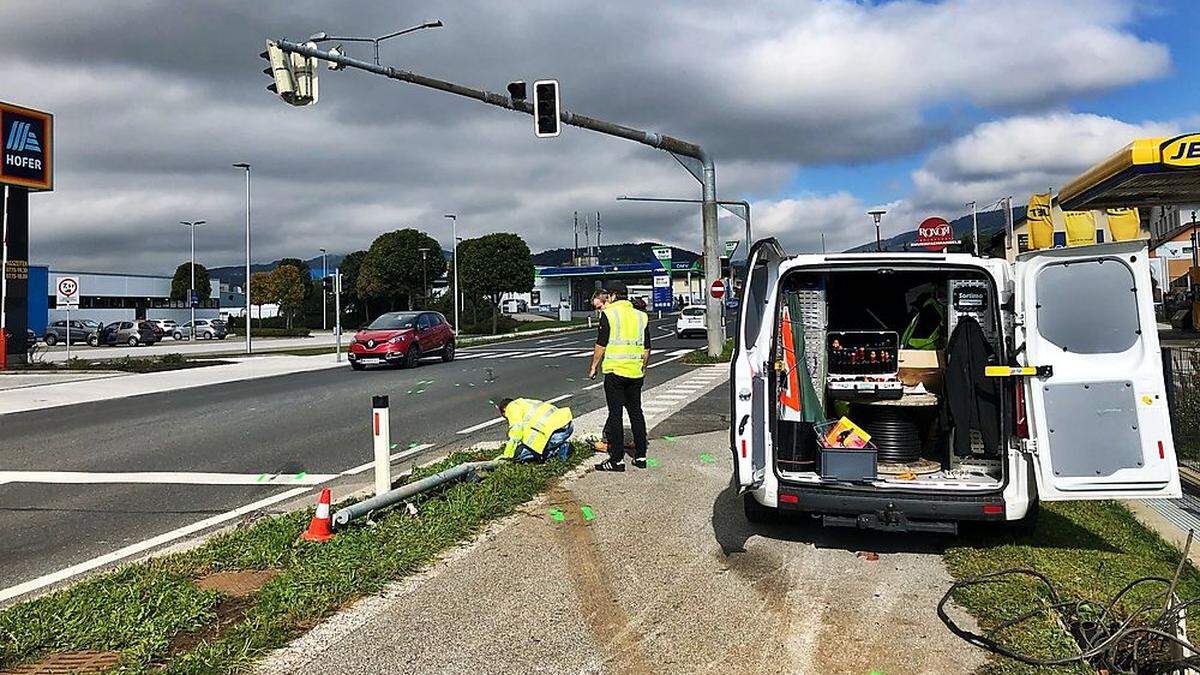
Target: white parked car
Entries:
(691, 321)
(206, 329)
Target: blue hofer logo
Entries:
(21, 138)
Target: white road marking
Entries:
(461, 356)
(164, 478)
(498, 356)
(579, 354)
(667, 360)
(679, 352)
(484, 425)
(394, 458)
(133, 549)
(553, 340)
(527, 355)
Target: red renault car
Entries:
(402, 338)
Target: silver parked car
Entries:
(207, 329)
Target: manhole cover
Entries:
(70, 662)
(237, 583)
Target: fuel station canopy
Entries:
(1147, 172)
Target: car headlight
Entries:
(396, 340)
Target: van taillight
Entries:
(1022, 421)
(789, 499)
(993, 509)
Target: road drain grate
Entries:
(82, 662)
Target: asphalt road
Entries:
(278, 427)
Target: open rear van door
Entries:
(750, 432)
(1097, 409)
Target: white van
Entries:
(1092, 423)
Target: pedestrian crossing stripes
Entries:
(552, 354)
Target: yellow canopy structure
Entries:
(1147, 172)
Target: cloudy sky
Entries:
(814, 111)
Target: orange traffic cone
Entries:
(319, 526)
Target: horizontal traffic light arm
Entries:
(654, 140)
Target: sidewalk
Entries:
(667, 576)
(111, 386)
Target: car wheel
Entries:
(177, 335)
(413, 358)
(356, 365)
(93, 341)
(51, 340)
(755, 512)
(448, 352)
(133, 341)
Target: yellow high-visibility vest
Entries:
(531, 422)
(626, 343)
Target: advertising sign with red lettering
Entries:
(935, 234)
(28, 147)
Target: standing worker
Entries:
(622, 349)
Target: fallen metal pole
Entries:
(344, 516)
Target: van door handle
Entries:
(742, 424)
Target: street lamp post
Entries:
(974, 226)
(324, 299)
(877, 214)
(192, 225)
(454, 254)
(424, 275)
(246, 286)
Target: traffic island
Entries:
(180, 612)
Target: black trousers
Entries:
(624, 393)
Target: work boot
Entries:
(640, 462)
(609, 465)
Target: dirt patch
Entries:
(237, 583)
(593, 583)
(81, 663)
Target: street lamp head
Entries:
(451, 216)
(437, 23)
(877, 214)
(242, 165)
(318, 37)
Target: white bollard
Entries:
(383, 444)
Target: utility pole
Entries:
(575, 251)
(454, 254)
(822, 243)
(706, 174)
(974, 226)
(337, 315)
(246, 286)
(597, 236)
(324, 299)
(192, 225)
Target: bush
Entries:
(279, 332)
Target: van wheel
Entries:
(755, 512)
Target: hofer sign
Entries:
(28, 148)
(935, 234)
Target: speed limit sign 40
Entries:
(67, 290)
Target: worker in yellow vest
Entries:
(536, 430)
(622, 349)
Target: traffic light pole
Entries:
(675, 146)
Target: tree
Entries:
(392, 269)
(290, 288)
(182, 281)
(495, 264)
(262, 292)
(352, 302)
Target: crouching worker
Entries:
(536, 430)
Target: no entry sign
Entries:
(717, 290)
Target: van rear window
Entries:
(1089, 306)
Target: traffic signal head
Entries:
(327, 283)
(295, 75)
(545, 108)
(517, 91)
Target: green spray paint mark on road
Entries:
(651, 462)
(301, 475)
(262, 477)
(458, 384)
(707, 458)
(587, 513)
(395, 445)
(411, 446)
(668, 438)
(557, 515)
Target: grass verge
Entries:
(156, 617)
(1090, 550)
(129, 364)
(540, 325)
(700, 357)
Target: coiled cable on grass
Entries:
(1146, 641)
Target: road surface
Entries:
(267, 437)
